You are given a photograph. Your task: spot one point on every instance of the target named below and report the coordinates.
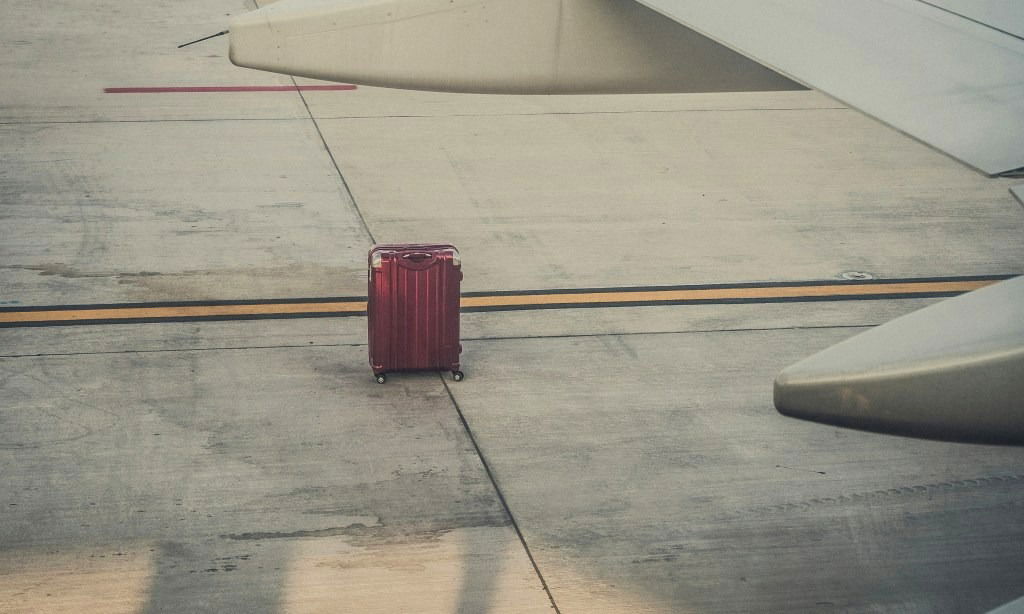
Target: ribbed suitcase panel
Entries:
(413, 311)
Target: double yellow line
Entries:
(238, 310)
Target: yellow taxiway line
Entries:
(761, 293)
(188, 311)
(155, 312)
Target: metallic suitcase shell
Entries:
(413, 307)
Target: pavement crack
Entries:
(500, 494)
(334, 162)
(352, 529)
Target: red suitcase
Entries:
(413, 308)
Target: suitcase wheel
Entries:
(458, 375)
(381, 378)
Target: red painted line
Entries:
(228, 88)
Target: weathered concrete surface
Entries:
(695, 196)
(125, 197)
(108, 213)
(654, 465)
(246, 481)
(255, 466)
(58, 60)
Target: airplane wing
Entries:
(947, 72)
(953, 370)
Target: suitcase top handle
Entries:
(413, 256)
(417, 261)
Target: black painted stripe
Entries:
(571, 298)
(748, 284)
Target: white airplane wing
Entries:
(949, 371)
(947, 72)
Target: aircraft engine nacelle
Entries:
(491, 46)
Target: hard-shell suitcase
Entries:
(413, 308)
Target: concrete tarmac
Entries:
(593, 460)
